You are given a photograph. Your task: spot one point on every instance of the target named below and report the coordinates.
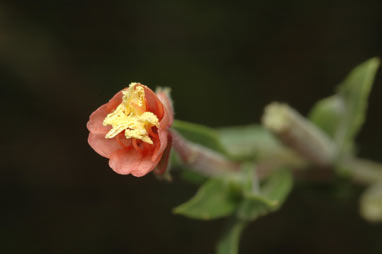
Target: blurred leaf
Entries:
(214, 199)
(199, 134)
(355, 91)
(326, 114)
(252, 208)
(272, 195)
(254, 205)
(371, 203)
(248, 142)
(341, 116)
(229, 243)
(248, 179)
(192, 177)
(278, 187)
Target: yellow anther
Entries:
(131, 116)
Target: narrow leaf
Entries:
(199, 134)
(355, 92)
(249, 142)
(341, 116)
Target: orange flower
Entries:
(132, 130)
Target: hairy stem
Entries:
(202, 159)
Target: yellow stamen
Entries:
(131, 116)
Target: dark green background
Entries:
(60, 60)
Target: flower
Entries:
(131, 130)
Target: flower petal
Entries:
(103, 146)
(95, 123)
(163, 163)
(132, 162)
(160, 145)
(123, 158)
(167, 103)
(153, 104)
(115, 101)
(164, 124)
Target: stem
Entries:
(363, 171)
(295, 132)
(230, 240)
(202, 159)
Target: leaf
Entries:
(214, 199)
(326, 114)
(248, 142)
(341, 116)
(256, 143)
(278, 187)
(192, 176)
(199, 134)
(229, 243)
(270, 198)
(355, 90)
(254, 205)
(371, 203)
(252, 208)
(272, 194)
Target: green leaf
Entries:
(278, 187)
(253, 207)
(256, 204)
(355, 91)
(326, 114)
(341, 116)
(371, 203)
(214, 199)
(199, 134)
(192, 176)
(272, 194)
(229, 243)
(248, 142)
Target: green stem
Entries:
(362, 171)
(229, 242)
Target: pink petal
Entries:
(103, 146)
(164, 124)
(115, 101)
(95, 123)
(163, 163)
(159, 149)
(132, 162)
(153, 104)
(166, 101)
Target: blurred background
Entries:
(60, 60)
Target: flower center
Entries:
(131, 116)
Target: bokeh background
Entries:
(60, 60)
